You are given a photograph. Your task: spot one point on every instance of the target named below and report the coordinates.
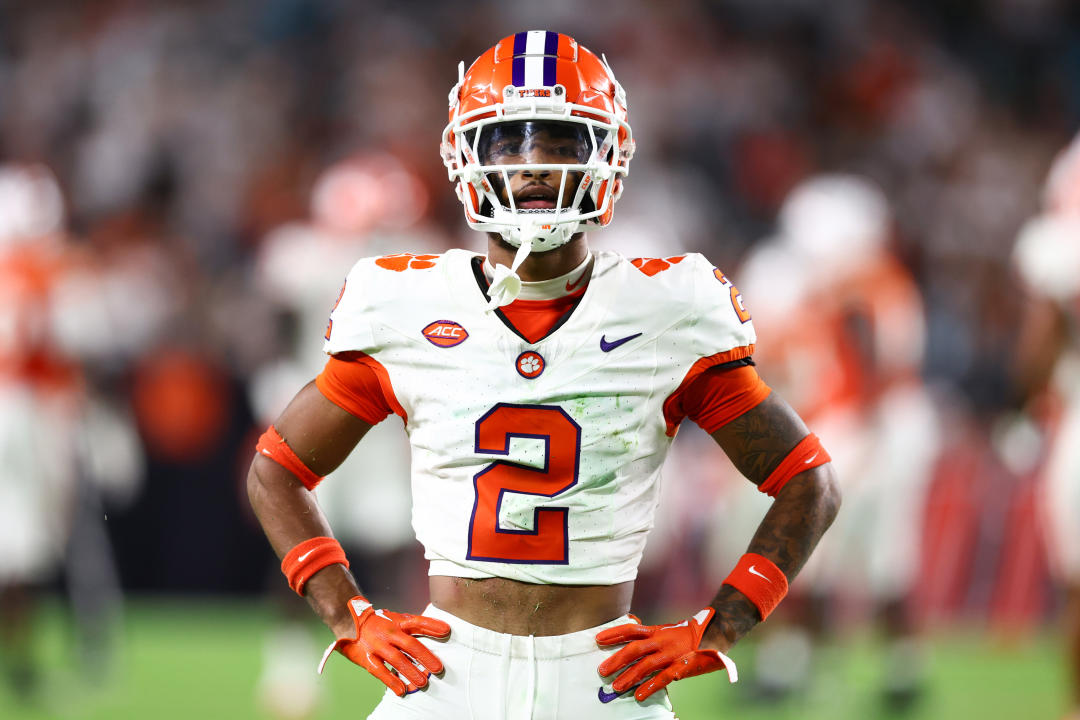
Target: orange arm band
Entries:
(758, 578)
(308, 558)
(273, 446)
(807, 454)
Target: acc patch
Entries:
(445, 333)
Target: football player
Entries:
(59, 441)
(848, 355)
(541, 386)
(1047, 257)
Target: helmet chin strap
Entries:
(505, 283)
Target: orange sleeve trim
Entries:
(719, 396)
(360, 385)
(308, 558)
(808, 454)
(673, 411)
(273, 446)
(758, 578)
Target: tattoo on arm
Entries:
(760, 438)
(757, 442)
(735, 615)
(799, 516)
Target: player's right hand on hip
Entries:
(386, 638)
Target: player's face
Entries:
(544, 144)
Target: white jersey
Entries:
(538, 462)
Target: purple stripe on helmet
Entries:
(551, 50)
(518, 63)
(551, 43)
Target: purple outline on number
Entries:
(537, 510)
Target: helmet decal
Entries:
(534, 58)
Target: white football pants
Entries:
(493, 676)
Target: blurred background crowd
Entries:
(183, 186)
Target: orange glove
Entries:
(386, 638)
(669, 651)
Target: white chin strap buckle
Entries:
(505, 283)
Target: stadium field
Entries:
(199, 660)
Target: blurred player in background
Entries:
(367, 204)
(59, 444)
(1047, 258)
(39, 389)
(541, 387)
(849, 332)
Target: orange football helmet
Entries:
(538, 83)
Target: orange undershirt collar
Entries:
(534, 319)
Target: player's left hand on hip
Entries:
(667, 652)
(386, 638)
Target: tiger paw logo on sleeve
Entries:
(652, 266)
(406, 261)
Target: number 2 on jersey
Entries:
(548, 542)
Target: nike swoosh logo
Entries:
(303, 557)
(571, 286)
(606, 346)
(606, 697)
(758, 573)
(811, 459)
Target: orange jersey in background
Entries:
(28, 351)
